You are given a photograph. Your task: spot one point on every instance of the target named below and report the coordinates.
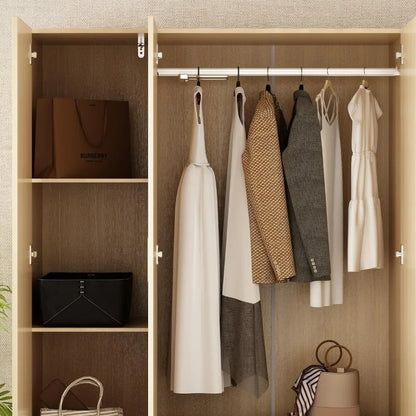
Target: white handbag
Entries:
(111, 411)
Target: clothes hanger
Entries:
(364, 82)
(237, 84)
(268, 88)
(301, 78)
(239, 95)
(198, 95)
(327, 85)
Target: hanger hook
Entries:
(268, 77)
(327, 71)
(197, 78)
(238, 73)
(364, 72)
(301, 74)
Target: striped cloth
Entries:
(305, 386)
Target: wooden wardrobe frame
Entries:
(402, 291)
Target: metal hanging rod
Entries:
(224, 73)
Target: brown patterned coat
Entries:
(271, 246)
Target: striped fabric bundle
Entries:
(305, 386)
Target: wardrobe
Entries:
(127, 224)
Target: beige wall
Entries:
(168, 13)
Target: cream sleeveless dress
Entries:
(365, 227)
(325, 293)
(196, 346)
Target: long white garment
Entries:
(365, 229)
(325, 293)
(238, 282)
(196, 346)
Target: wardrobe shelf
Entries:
(90, 180)
(137, 325)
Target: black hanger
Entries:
(301, 79)
(237, 84)
(268, 88)
(198, 95)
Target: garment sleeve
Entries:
(377, 108)
(354, 109)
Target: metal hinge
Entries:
(32, 254)
(141, 45)
(158, 254)
(158, 55)
(400, 55)
(32, 54)
(400, 254)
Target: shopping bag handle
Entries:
(341, 347)
(79, 381)
(324, 362)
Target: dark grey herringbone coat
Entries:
(303, 167)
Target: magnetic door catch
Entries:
(400, 254)
(32, 254)
(32, 54)
(158, 254)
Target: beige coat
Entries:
(271, 246)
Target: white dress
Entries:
(237, 273)
(325, 293)
(196, 346)
(365, 229)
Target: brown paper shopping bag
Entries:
(82, 139)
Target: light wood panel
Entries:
(152, 247)
(22, 218)
(119, 361)
(362, 322)
(88, 36)
(274, 36)
(89, 180)
(134, 325)
(396, 226)
(108, 72)
(405, 319)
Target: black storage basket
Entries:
(85, 299)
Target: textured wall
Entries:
(168, 13)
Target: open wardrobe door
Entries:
(403, 308)
(154, 252)
(22, 218)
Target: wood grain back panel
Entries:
(362, 322)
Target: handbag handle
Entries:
(84, 133)
(341, 347)
(325, 342)
(79, 381)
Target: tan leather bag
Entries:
(337, 393)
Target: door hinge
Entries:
(400, 254)
(400, 55)
(158, 56)
(32, 54)
(141, 43)
(32, 254)
(158, 254)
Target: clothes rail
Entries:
(221, 73)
